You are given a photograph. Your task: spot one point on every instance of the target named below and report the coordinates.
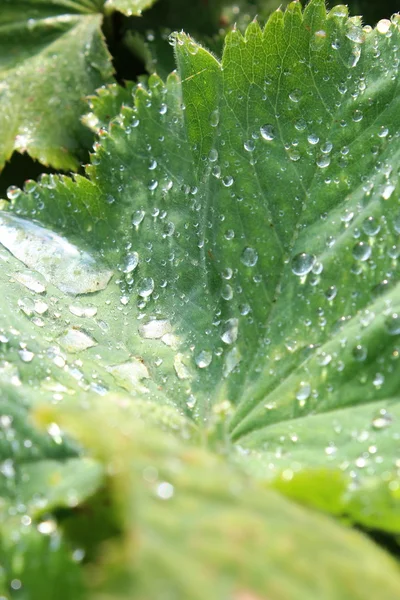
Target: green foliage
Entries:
(53, 55)
(207, 321)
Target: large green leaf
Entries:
(191, 527)
(234, 245)
(53, 54)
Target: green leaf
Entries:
(106, 105)
(53, 55)
(36, 563)
(192, 527)
(148, 37)
(235, 247)
(128, 7)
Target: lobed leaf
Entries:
(232, 259)
(52, 56)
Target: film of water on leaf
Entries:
(61, 263)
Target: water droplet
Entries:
(203, 359)
(27, 306)
(313, 139)
(146, 287)
(152, 165)
(13, 192)
(214, 118)
(76, 340)
(267, 132)
(359, 353)
(249, 257)
(47, 527)
(392, 324)
(244, 309)
(331, 449)
(213, 155)
(232, 359)
(41, 307)
(323, 161)
(131, 262)
(82, 310)
(165, 490)
(192, 48)
(30, 281)
(357, 116)
(227, 273)
(61, 263)
(227, 292)
(383, 26)
(295, 95)
(181, 369)
(362, 251)
(379, 380)
(355, 34)
(371, 226)
(129, 374)
(331, 293)
(382, 420)
(227, 181)
(388, 191)
(302, 264)
(326, 148)
(152, 185)
(155, 329)
(138, 217)
(383, 132)
(249, 145)
(303, 393)
(26, 356)
(230, 333)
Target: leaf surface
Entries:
(196, 528)
(53, 55)
(232, 255)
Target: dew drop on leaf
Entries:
(227, 181)
(313, 139)
(76, 340)
(61, 263)
(371, 226)
(227, 292)
(323, 161)
(303, 393)
(302, 264)
(267, 132)
(362, 251)
(249, 257)
(155, 329)
(26, 356)
(30, 280)
(249, 145)
(146, 287)
(230, 333)
(131, 262)
(203, 359)
(138, 217)
(359, 353)
(214, 118)
(79, 309)
(382, 420)
(392, 324)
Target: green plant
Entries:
(200, 334)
